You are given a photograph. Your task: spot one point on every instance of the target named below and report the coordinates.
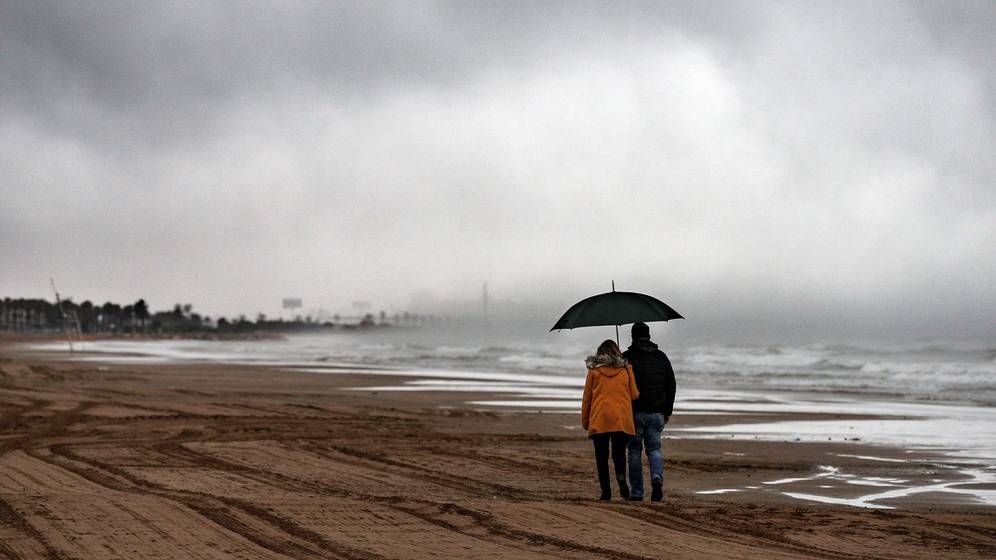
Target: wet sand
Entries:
(223, 461)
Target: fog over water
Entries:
(777, 171)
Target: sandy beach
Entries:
(110, 460)
(336, 280)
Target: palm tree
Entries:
(141, 310)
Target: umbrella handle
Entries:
(617, 326)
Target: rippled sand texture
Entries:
(193, 461)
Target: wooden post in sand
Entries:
(65, 318)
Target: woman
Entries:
(607, 413)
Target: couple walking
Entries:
(628, 398)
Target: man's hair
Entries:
(640, 330)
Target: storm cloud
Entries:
(777, 167)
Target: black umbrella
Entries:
(615, 308)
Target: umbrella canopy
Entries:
(616, 308)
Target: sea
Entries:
(961, 371)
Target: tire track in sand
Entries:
(10, 517)
(496, 532)
(701, 527)
(217, 509)
(493, 526)
(469, 485)
(434, 512)
(43, 427)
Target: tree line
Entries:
(40, 316)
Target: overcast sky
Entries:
(758, 165)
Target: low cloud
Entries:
(780, 167)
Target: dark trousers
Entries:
(601, 442)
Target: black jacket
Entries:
(654, 377)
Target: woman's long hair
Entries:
(608, 348)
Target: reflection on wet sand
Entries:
(900, 487)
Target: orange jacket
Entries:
(607, 404)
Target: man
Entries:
(651, 411)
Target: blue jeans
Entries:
(649, 426)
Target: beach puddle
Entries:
(826, 471)
(979, 487)
(872, 458)
(944, 450)
(876, 481)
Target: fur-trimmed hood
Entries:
(605, 360)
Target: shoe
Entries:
(635, 498)
(623, 488)
(657, 494)
(606, 495)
